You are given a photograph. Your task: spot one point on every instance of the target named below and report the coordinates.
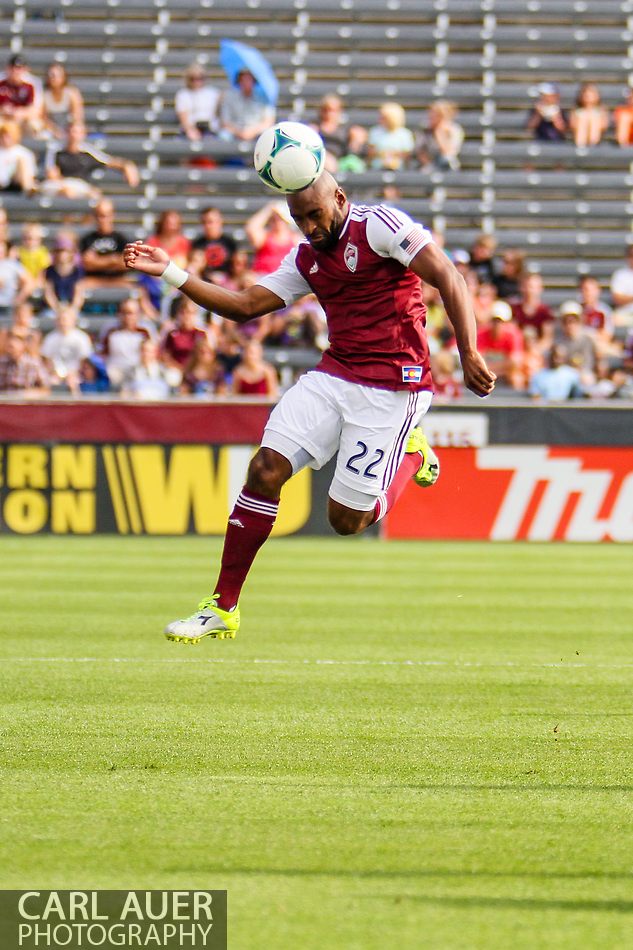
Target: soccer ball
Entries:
(289, 156)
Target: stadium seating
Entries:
(569, 208)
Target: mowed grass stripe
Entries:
(343, 805)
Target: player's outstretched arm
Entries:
(434, 267)
(239, 306)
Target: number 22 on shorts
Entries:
(358, 456)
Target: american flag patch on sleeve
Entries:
(411, 374)
(414, 240)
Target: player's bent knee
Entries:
(267, 472)
(346, 521)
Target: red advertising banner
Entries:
(519, 492)
(235, 423)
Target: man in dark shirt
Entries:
(218, 247)
(547, 121)
(69, 169)
(102, 249)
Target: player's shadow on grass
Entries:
(379, 874)
(509, 788)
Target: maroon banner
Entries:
(210, 423)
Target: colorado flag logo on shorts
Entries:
(411, 374)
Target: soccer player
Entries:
(368, 393)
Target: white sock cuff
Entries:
(257, 505)
(381, 507)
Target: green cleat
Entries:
(208, 621)
(429, 471)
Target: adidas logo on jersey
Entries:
(314, 268)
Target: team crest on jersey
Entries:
(350, 256)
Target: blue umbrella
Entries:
(236, 57)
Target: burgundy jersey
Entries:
(19, 95)
(372, 301)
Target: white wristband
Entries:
(174, 275)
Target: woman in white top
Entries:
(63, 103)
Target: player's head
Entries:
(320, 211)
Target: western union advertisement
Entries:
(141, 489)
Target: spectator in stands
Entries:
(390, 144)
(150, 379)
(271, 235)
(170, 237)
(93, 376)
(531, 360)
(610, 382)
(244, 113)
(596, 314)
(623, 119)
(218, 246)
(512, 270)
(253, 376)
(63, 279)
(531, 311)
(589, 120)
(179, 342)
(436, 317)
(501, 345)
(622, 291)
(24, 324)
(69, 169)
(341, 140)
(122, 343)
(574, 342)
(440, 142)
(238, 276)
(102, 249)
(17, 163)
(197, 105)
(445, 367)
(622, 383)
(461, 259)
(547, 120)
(333, 129)
(203, 373)
(301, 325)
(483, 301)
(21, 371)
(482, 258)
(16, 285)
(63, 103)
(557, 382)
(355, 158)
(64, 347)
(4, 226)
(32, 253)
(19, 99)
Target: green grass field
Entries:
(407, 746)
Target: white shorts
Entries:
(322, 414)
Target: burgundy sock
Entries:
(407, 469)
(250, 523)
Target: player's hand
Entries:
(478, 378)
(148, 260)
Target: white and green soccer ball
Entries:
(289, 157)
